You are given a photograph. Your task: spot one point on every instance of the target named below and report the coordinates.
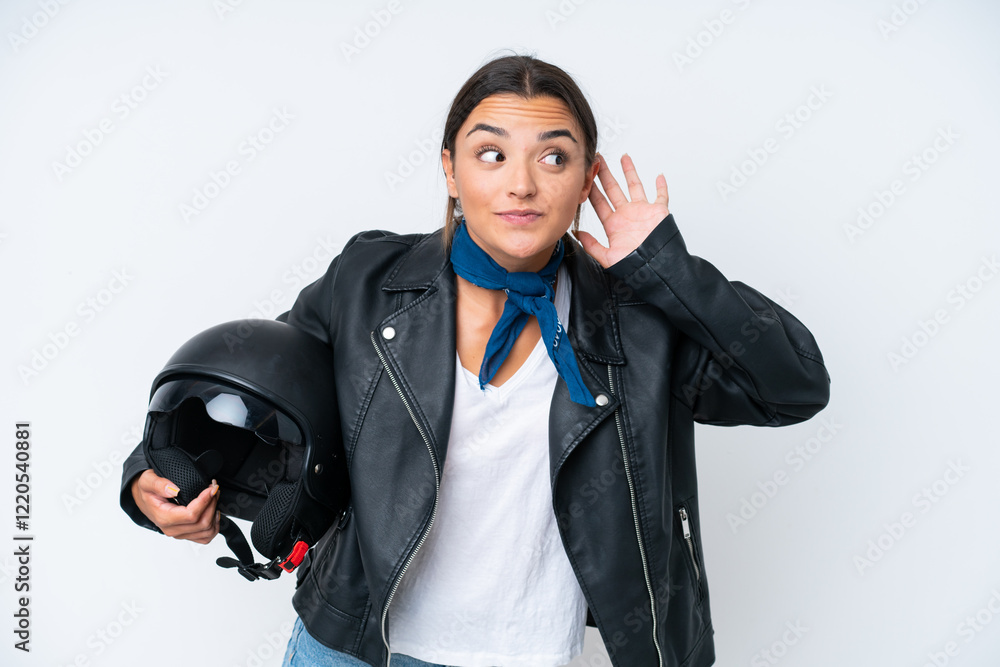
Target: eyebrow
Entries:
(542, 136)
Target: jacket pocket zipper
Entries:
(686, 528)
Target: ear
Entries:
(449, 172)
(588, 179)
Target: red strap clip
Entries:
(295, 558)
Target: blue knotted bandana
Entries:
(528, 293)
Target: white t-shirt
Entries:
(491, 584)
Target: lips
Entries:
(520, 215)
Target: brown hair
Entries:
(528, 77)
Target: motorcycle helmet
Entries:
(252, 404)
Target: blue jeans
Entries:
(305, 651)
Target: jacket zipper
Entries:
(437, 485)
(686, 527)
(635, 519)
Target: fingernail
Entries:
(173, 489)
(215, 487)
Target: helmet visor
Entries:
(228, 405)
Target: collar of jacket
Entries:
(424, 330)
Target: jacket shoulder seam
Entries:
(808, 355)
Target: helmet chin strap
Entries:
(245, 566)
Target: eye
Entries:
(559, 158)
(488, 151)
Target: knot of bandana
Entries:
(528, 293)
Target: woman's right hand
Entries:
(197, 521)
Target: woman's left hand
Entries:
(629, 222)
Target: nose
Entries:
(522, 180)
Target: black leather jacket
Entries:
(662, 339)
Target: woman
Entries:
(541, 477)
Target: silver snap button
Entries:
(318, 469)
(388, 333)
(601, 399)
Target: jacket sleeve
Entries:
(134, 466)
(742, 359)
(313, 308)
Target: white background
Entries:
(893, 76)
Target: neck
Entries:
(518, 264)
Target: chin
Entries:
(530, 251)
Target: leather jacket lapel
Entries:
(421, 351)
(593, 332)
